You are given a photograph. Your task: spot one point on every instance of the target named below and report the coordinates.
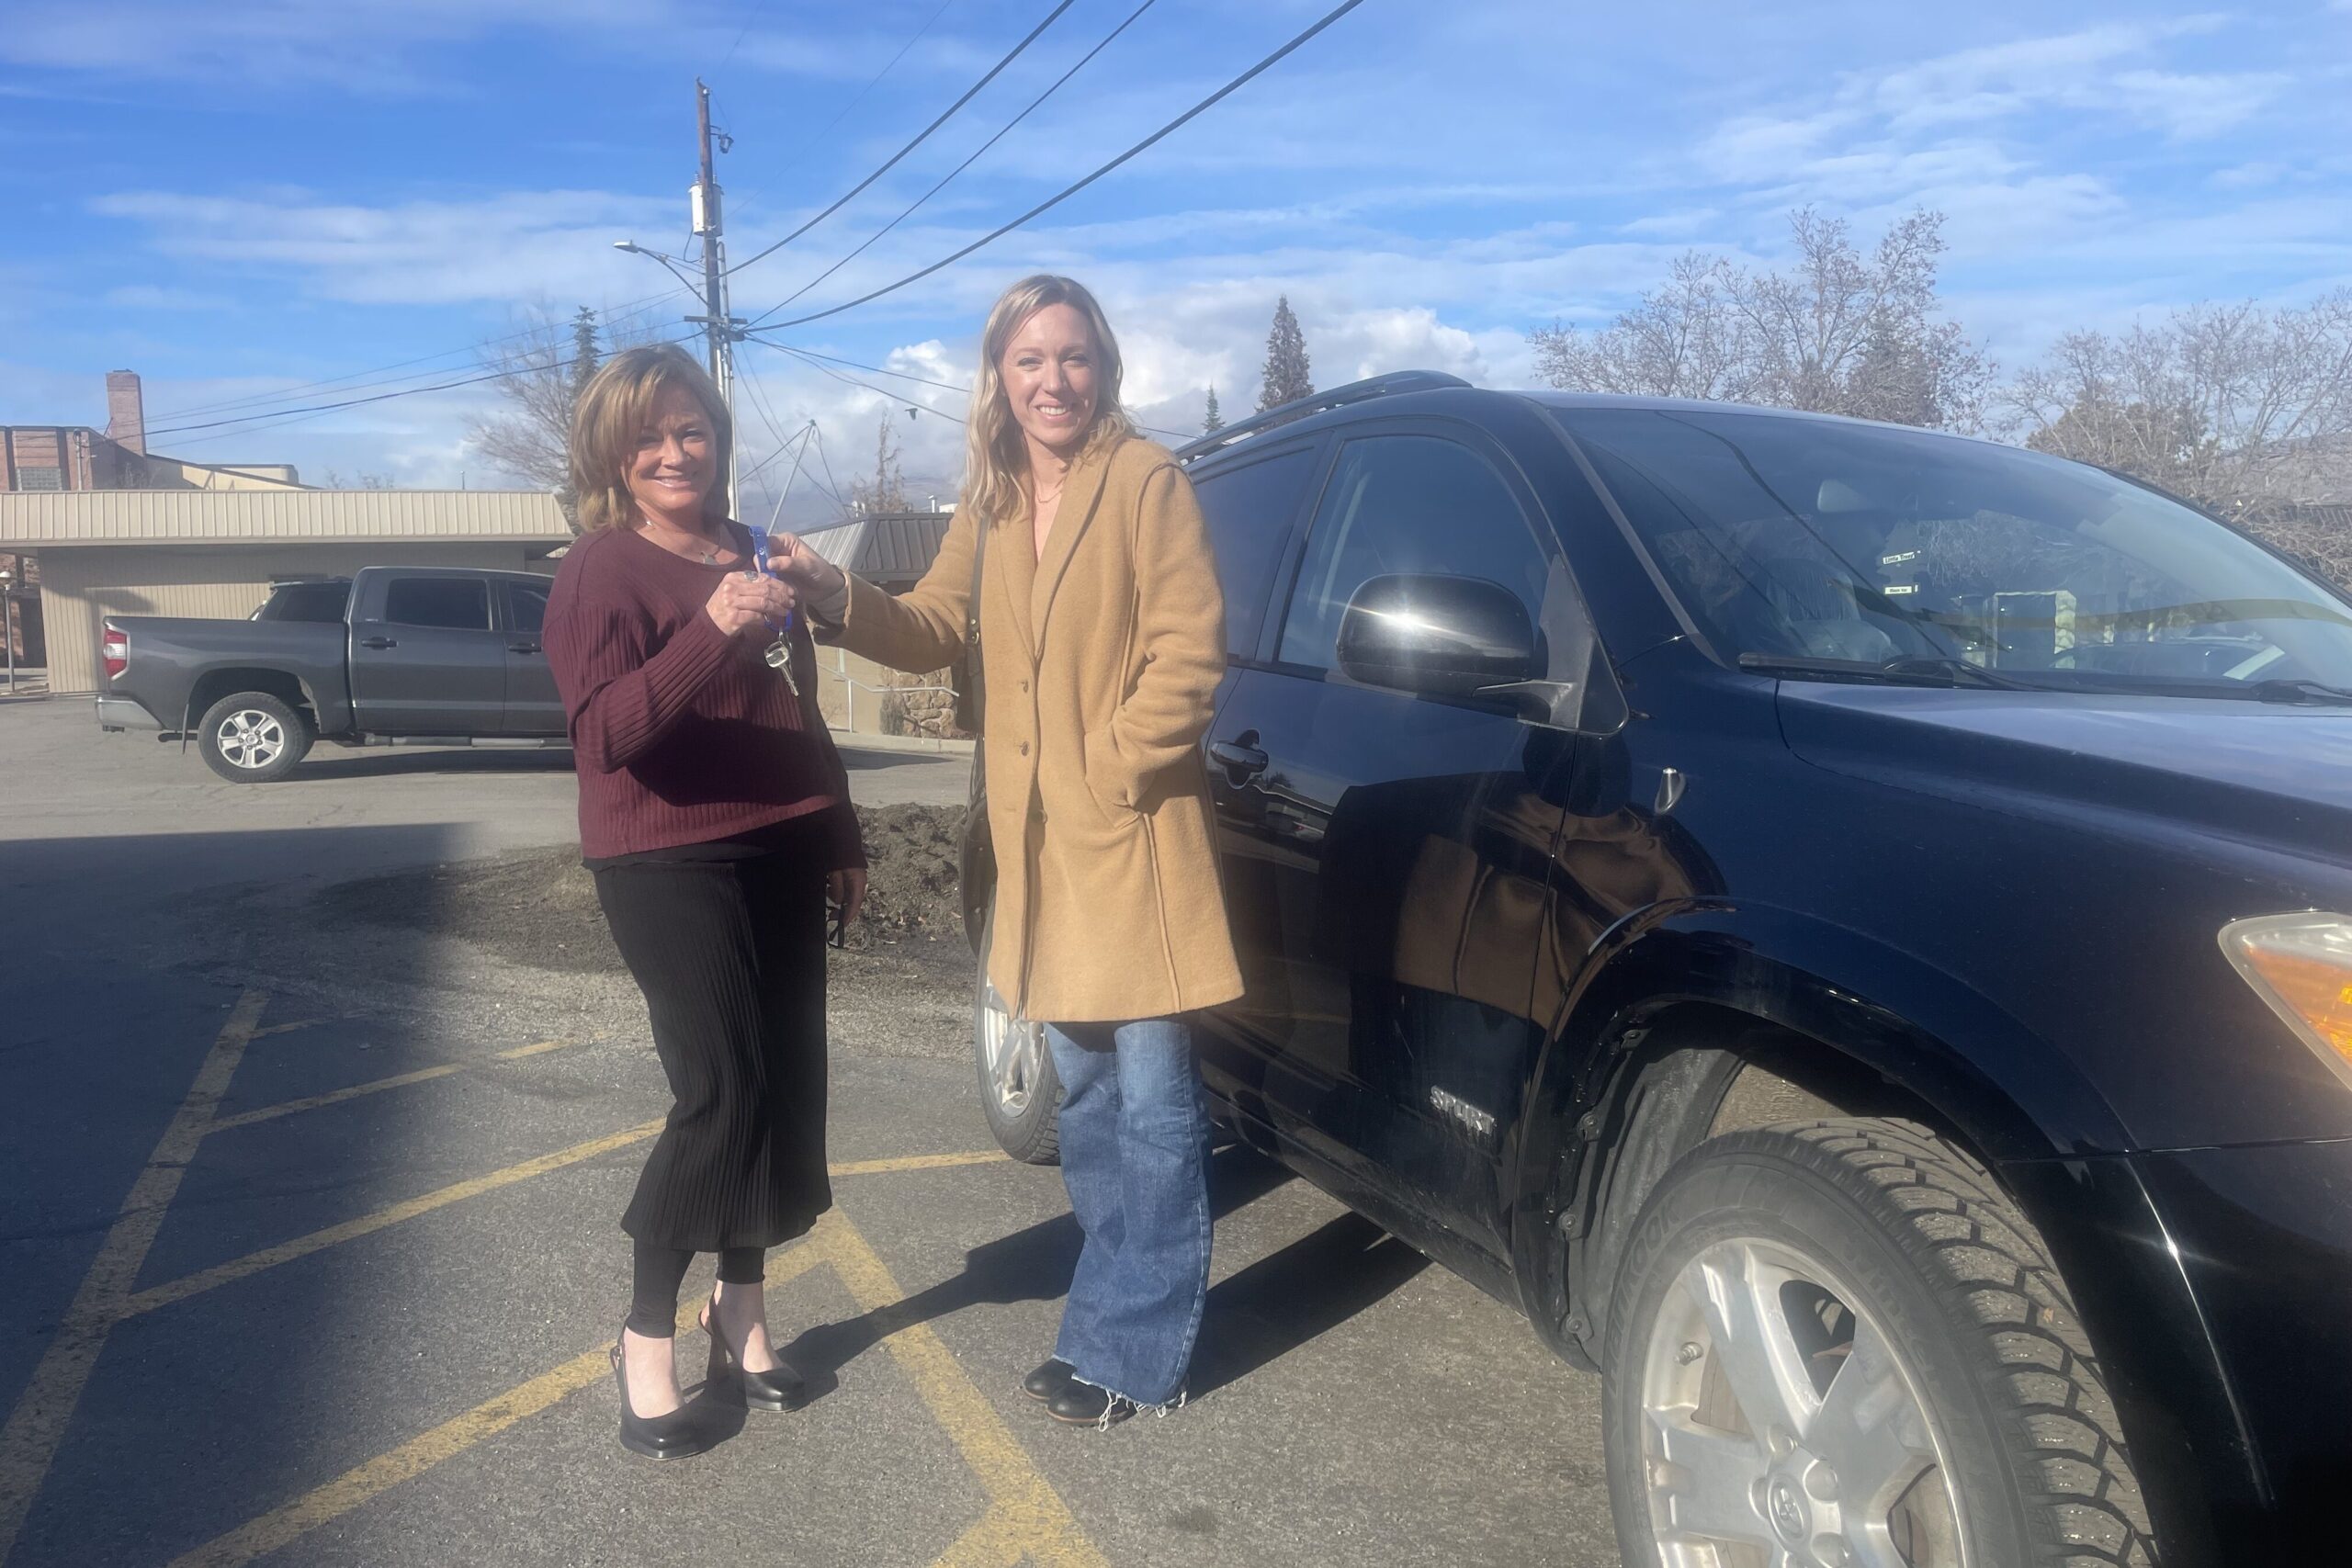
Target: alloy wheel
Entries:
(250, 739)
(1782, 1428)
(1011, 1050)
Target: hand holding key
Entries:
(744, 601)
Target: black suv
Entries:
(1848, 929)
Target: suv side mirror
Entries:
(1442, 636)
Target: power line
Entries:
(959, 168)
(1162, 133)
(818, 140)
(832, 485)
(757, 12)
(355, 403)
(812, 355)
(970, 93)
(353, 380)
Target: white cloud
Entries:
(2084, 72)
(497, 248)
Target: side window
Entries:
(459, 603)
(306, 601)
(1408, 504)
(1248, 510)
(527, 608)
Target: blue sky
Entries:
(241, 197)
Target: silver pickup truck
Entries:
(393, 652)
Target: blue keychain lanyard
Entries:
(760, 558)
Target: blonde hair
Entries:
(613, 409)
(995, 457)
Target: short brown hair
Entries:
(612, 410)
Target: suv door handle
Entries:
(523, 647)
(1239, 759)
(378, 642)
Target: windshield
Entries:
(1800, 538)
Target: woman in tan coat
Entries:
(1102, 639)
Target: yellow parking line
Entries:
(918, 1162)
(447, 1441)
(252, 1263)
(377, 1086)
(366, 1225)
(995, 1542)
(1032, 1516)
(29, 1441)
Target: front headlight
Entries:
(2301, 965)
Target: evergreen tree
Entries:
(584, 355)
(1212, 422)
(1285, 379)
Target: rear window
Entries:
(306, 601)
(462, 603)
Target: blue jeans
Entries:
(1135, 1159)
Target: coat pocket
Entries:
(1106, 780)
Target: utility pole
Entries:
(720, 327)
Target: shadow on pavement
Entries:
(392, 762)
(1267, 1310)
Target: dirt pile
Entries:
(538, 908)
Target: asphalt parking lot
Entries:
(309, 1253)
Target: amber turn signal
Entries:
(2301, 965)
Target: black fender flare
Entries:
(2012, 1095)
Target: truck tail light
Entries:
(2301, 965)
(117, 648)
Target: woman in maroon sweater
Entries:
(716, 815)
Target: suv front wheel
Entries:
(1837, 1344)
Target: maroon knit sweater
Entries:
(681, 735)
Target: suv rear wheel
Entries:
(1837, 1344)
(253, 738)
(1019, 1091)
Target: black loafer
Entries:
(1048, 1380)
(1083, 1405)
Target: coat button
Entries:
(1024, 685)
(1024, 748)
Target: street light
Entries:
(633, 248)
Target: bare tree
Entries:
(1839, 334)
(540, 371)
(2243, 409)
(886, 489)
(1683, 339)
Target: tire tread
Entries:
(1996, 1272)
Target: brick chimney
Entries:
(126, 411)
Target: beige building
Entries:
(891, 550)
(214, 553)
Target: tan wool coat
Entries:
(1101, 663)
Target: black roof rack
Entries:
(1388, 386)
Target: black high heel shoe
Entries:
(675, 1436)
(781, 1388)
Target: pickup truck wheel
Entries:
(253, 738)
(1020, 1092)
(1837, 1344)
